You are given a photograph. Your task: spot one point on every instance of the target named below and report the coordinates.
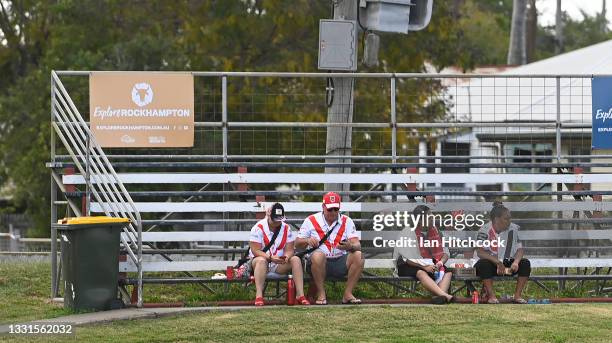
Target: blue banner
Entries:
(602, 113)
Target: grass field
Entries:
(455, 323)
(24, 288)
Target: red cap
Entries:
(331, 200)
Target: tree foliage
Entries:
(218, 35)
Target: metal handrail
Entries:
(351, 75)
(101, 179)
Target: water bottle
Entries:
(475, 297)
(290, 291)
(439, 274)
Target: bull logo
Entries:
(142, 94)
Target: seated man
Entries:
(272, 233)
(510, 250)
(426, 258)
(340, 253)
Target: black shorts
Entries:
(486, 269)
(403, 269)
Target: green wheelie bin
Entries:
(90, 261)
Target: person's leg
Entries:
(298, 275)
(354, 265)
(430, 285)
(486, 269)
(295, 267)
(260, 269)
(446, 281)
(523, 276)
(317, 269)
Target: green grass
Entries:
(194, 294)
(24, 290)
(454, 323)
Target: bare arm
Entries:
(444, 259)
(301, 243)
(257, 252)
(485, 255)
(517, 258)
(289, 250)
(519, 254)
(428, 269)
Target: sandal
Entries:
(259, 301)
(519, 301)
(352, 301)
(492, 301)
(302, 300)
(438, 300)
(321, 302)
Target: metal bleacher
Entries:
(191, 209)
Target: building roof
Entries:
(532, 97)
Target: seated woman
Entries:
(425, 258)
(505, 259)
(271, 251)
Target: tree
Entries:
(228, 35)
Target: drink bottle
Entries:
(290, 291)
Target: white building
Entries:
(525, 113)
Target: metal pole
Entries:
(438, 153)
(558, 126)
(393, 123)
(224, 115)
(393, 134)
(88, 175)
(140, 290)
(54, 275)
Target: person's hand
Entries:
(345, 245)
(429, 269)
(501, 269)
(313, 242)
(279, 259)
(514, 267)
(439, 265)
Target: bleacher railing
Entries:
(101, 180)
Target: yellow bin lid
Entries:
(92, 220)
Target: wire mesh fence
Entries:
(490, 125)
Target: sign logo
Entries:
(142, 94)
(127, 139)
(603, 115)
(601, 135)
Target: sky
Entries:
(548, 8)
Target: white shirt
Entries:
(308, 229)
(260, 233)
(487, 233)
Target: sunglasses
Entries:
(335, 209)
